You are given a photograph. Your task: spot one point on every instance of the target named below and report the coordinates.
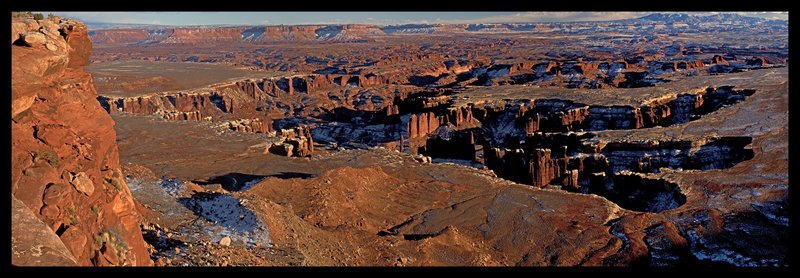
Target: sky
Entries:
(380, 18)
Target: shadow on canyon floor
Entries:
(239, 181)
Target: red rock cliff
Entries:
(64, 159)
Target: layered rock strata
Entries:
(65, 164)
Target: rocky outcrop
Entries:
(420, 125)
(719, 60)
(369, 80)
(244, 96)
(180, 102)
(247, 125)
(65, 167)
(681, 65)
(293, 142)
(542, 168)
(179, 116)
(555, 115)
(460, 116)
(757, 61)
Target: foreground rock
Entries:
(65, 167)
(33, 242)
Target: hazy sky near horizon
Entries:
(380, 18)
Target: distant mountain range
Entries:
(695, 19)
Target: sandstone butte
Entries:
(71, 205)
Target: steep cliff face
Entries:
(64, 158)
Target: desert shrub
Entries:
(112, 239)
(52, 158)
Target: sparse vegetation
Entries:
(52, 158)
(97, 240)
(38, 16)
(73, 216)
(114, 182)
(113, 241)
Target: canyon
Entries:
(655, 141)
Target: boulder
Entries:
(225, 241)
(32, 242)
(17, 29)
(34, 39)
(56, 192)
(83, 183)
